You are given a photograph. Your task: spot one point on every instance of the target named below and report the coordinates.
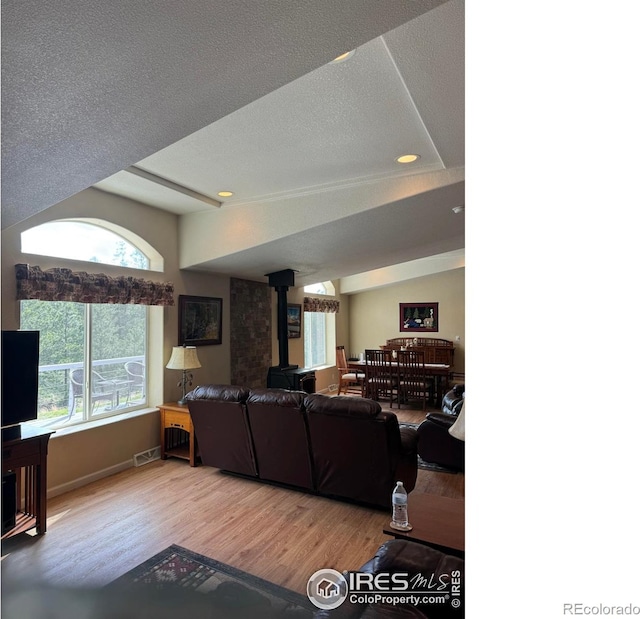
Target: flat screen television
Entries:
(20, 359)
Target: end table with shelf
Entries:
(24, 454)
(177, 437)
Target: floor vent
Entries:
(333, 387)
(146, 456)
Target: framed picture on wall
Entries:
(199, 320)
(294, 320)
(418, 317)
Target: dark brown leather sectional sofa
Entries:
(341, 447)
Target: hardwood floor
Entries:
(100, 531)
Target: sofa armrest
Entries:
(406, 467)
(408, 440)
(442, 420)
(404, 556)
(437, 445)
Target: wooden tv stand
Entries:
(26, 447)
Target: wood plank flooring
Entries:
(100, 531)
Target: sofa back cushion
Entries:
(355, 448)
(342, 405)
(221, 426)
(223, 393)
(280, 436)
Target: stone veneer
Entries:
(251, 332)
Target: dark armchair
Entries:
(438, 443)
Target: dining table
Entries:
(440, 372)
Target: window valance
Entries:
(66, 285)
(326, 306)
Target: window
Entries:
(78, 240)
(315, 339)
(92, 356)
(326, 288)
(109, 339)
(319, 330)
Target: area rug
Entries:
(229, 592)
(422, 464)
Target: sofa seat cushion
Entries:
(342, 405)
(352, 376)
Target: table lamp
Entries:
(457, 429)
(184, 358)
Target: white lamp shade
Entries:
(183, 358)
(457, 429)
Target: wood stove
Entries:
(285, 375)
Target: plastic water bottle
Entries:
(399, 500)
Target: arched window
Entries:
(93, 356)
(321, 288)
(90, 240)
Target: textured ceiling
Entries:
(243, 96)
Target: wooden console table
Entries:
(26, 447)
(437, 522)
(177, 437)
(436, 350)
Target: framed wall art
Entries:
(199, 320)
(294, 320)
(418, 317)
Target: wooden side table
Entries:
(25, 448)
(177, 437)
(437, 521)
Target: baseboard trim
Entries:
(87, 479)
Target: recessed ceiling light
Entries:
(343, 57)
(225, 194)
(407, 158)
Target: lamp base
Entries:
(182, 402)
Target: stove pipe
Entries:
(281, 280)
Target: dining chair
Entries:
(380, 376)
(350, 381)
(413, 384)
